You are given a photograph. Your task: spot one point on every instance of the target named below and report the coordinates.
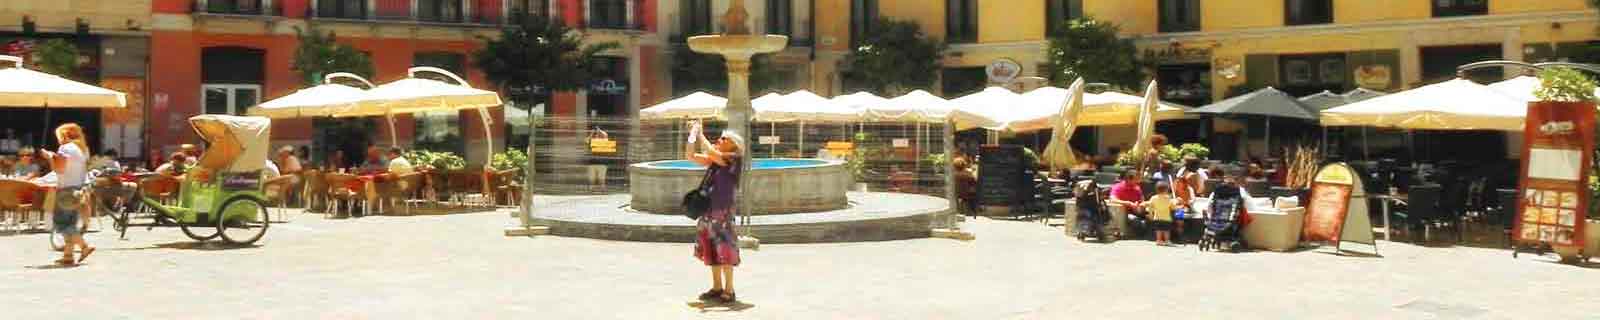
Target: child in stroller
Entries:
(1091, 211)
(1224, 227)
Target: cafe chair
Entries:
(277, 191)
(343, 193)
(1420, 209)
(14, 208)
(402, 191)
(506, 187)
(1506, 211)
(314, 190)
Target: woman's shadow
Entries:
(735, 306)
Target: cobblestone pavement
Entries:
(461, 266)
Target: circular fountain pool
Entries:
(777, 186)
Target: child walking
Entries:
(1160, 208)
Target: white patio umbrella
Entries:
(804, 106)
(861, 101)
(23, 88)
(918, 106)
(991, 109)
(1099, 109)
(697, 105)
(413, 95)
(1520, 88)
(1458, 104)
(324, 100)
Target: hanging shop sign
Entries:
(1373, 76)
(608, 87)
(1557, 146)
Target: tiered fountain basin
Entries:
(777, 186)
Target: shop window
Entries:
(1439, 63)
(780, 17)
(1303, 12)
(1179, 16)
(448, 11)
(961, 21)
(1187, 84)
(695, 16)
(1457, 8)
(608, 14)
(1307, 74)
(249, 7)
(231, 79)
(608, 93)
(1058, 12)
(342, 9)
(956, 82)
(863, 13)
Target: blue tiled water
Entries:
(758, 165)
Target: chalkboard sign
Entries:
(1001, 175)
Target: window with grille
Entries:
(1457, 8)
(1303, 12)
(342, 9)
(695, 17)
(863, 13)
(961, 21)
(1179, 16)
(608, 14)
(1058, 12)
(439, 10)
(780, 17)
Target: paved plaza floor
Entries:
(461, 266)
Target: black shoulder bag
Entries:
(698, 201)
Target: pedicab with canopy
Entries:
(222, 195)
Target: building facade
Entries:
(112, 42)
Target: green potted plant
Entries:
(1570, 88)
(858, 162)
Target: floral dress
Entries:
(717, 243)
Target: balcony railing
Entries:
(235, 7)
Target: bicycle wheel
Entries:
(189, 230)
(243, 229)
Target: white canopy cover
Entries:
(1457, 104)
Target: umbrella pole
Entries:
(44, 137)
(802, 130)
(1268, 138)
(773, 151)
(488, 152)
(394, 136)
(1364, 155)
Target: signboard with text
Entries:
(1557, 147)
(1329, 204)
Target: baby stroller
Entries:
(1222, 230)
(1091, 212)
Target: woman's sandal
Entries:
(710, 295)
(65, 262)
(728, 297)
(85, 255)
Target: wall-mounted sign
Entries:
(611, 87)
(1373, 76)
(768, 139)
(1554, 198)
(901, 143)
(1179, 54)
(1002, 70)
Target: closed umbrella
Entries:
(20, 87)
(1147, 120)
(1102, 109)
(1058, 154)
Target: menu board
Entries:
(1329, 203)
(1558, 141)
(1000, 175)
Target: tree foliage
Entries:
(320, 54)
(894, 58)
(57, 56)
(692, 71)
(1088, 48)
(541, 53)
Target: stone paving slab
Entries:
(870, 217)
(462, 267)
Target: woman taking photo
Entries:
(717, 245)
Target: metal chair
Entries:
(341, 190)
(277, 191)
(1421, 208)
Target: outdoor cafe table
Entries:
(44, 196)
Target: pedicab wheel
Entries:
(190, 231)
(246, 228)
(119, 221)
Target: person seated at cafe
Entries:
(288, 163)
(1128, 193)
(27, 167)
(191, 154)
(177, 164)
(7, 165)
(107, 159)
(398, 164)
(374, 161)
(335, 161)
(966, 184)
